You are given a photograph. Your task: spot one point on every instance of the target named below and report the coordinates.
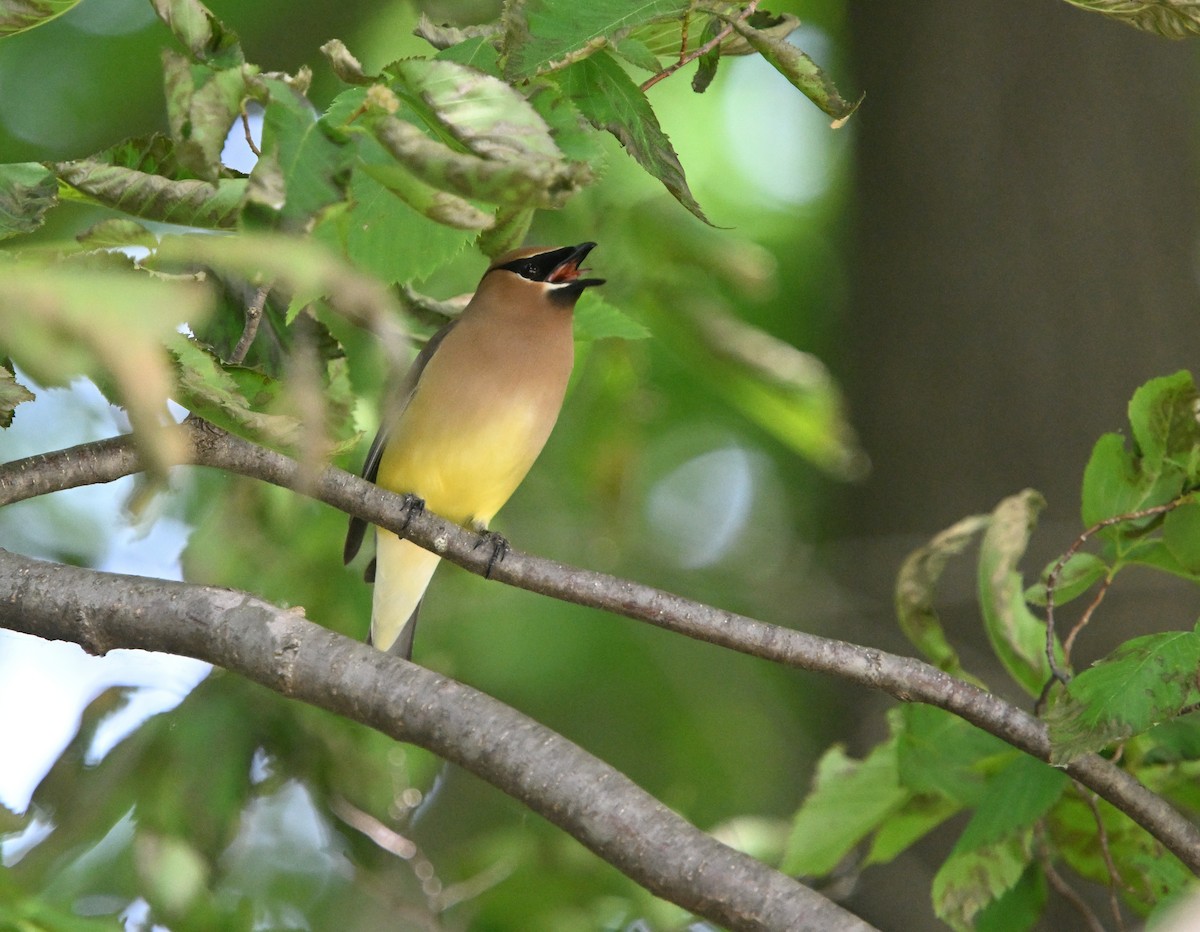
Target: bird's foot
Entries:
(414, 505)
(499, 548)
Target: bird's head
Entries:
(554, 273)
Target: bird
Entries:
(469, 419)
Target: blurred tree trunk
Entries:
(1024, 256)
(1025, 252)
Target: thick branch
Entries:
(904, 678)
(280, 649)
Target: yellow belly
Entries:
(463, 471)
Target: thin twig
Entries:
(703, 50)
(253, 315)
(1060, 885)
(249, 137)
(1114, 876)
(1082, 623)
(1052, 578)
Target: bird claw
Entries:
(499, 548)
(414, 505)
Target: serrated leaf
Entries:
(596, 319)
(609, 99)
(110, 327)
(916, 588)
(1145, 681)
(12, 393)
(142, 177)
(849, 800)
(1175, 19)
(28, 190)
(478, 53)
(1077, 576)
(1016, 634)
(314, 166)
(800, 70)
(542, 35)
(204, 36)
(20, 15)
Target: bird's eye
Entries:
(529, 270)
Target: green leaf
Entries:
(1018, 908)
(232, 397)
(445, 37)
(638, 54)
(202, 34)
(142, 177)
(110, 327)
(488, 116)
(939, 754)
(800, 70)
(995, 848)
(907, 825)
(1145, 681)
(489, 143)
(27, 191)
(1176, 740)
(477, 53)
(202, 103)
(12, 393)
(916, 587)
(20, 15)
(610, 100)
(1075, 578)
(117, 233)
(1175, 19)
(1116, 482)
(849, 800)
(1181, 535)
(1162, 414)
(543, 35)
(1016, 634)
(314, 166)
(508, 232)
(386, 237)
(706, 68)
(596, 319)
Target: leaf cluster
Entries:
(1028, 820)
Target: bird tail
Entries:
(402, 573)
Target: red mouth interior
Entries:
(567, 272)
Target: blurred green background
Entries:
(998, 247)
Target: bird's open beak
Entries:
(568, 270)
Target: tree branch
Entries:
(904, 678)
(278, 648)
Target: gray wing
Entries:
(397, 402)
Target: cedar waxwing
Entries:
(471, 416)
